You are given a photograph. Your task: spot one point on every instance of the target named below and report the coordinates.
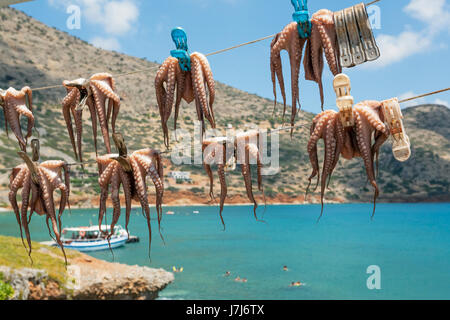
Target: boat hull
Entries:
(98, 245)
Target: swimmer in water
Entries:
(296, 284)
(238, 279)
(227, 274)
(285, 268)
(177, 270)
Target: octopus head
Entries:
(82, 85)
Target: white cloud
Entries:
(443, 102)
(435, 13)
(436, 16)
(116, 17)
(412, 103)
(106, 43)
(397, 48)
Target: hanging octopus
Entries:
(41, 182)
(322, 40)
(349, 142)
(245, 149)
(15, 104)
(99, 94)
(197, 84)
(131, 172)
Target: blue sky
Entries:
(413, 38)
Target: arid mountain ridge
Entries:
(34, 54)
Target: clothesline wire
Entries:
(424, 95)
(371, 3)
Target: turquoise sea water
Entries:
(409, 242)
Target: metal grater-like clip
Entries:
(401, 146)
(356, 47)
(345, 55)
(344, 100)
(368, 41)
(355, 37)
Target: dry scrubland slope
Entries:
(34, 54)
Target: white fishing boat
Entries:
(91, 239)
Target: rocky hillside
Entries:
(34, 54)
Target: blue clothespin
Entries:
(301, 16)
(182, 53)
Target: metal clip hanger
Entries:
(355, 37)
(32, 163)
(179, 37)
(344, 100)
(401, 146)
(367, 39)
(301, 16)
(123, 152)
(356, 47)
(83, 85)
(344, 44)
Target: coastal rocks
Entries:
(31, 284)
(89, 279)
(98, 281)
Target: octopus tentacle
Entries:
(316, 55)
(329, 159)
(208, 159)
(284, 40)
(380, 139)
(127, 189)
(211, 180)
(295, 56)
(47, 194)
(115, 187)
(14, 123)
(26, 109)
(254, 154)
(210, 83)
(141, 188)
(91, 106)
(70, 100)
(102, 207)
(181, 82)
(325, 25)
(99, 100)
(363, 137)
(171, 82)
(15, 104)
(150, 161)
(316, 133)
(246, 173)
(161, 93)
(223, 190)
(16, 183)
(24, 210)
(34, 200)
(199, 87)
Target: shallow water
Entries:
(409, 242)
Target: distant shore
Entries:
(193, 205)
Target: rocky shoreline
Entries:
(88, 279)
